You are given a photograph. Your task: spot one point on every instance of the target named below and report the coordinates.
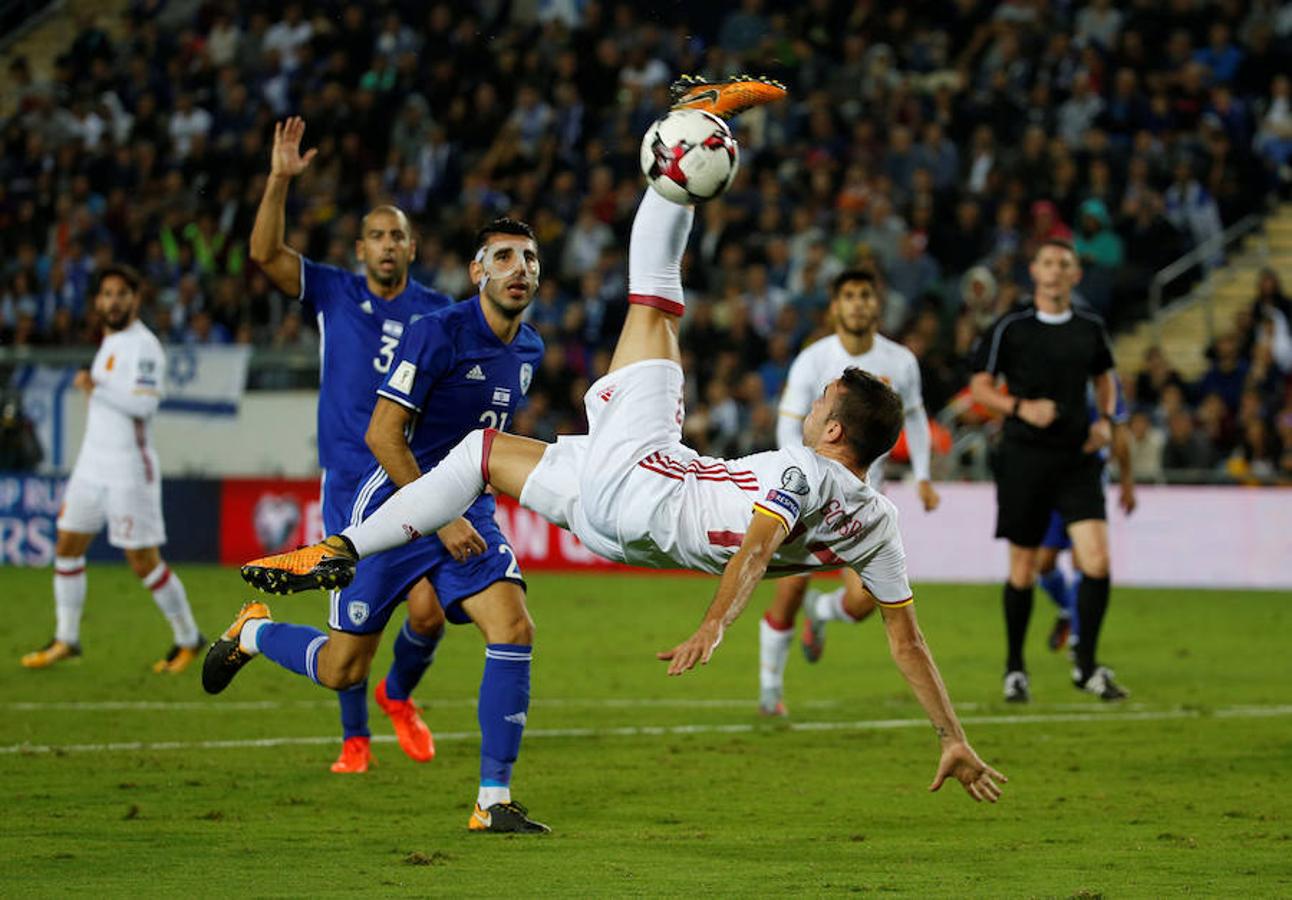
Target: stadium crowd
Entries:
(938, 142)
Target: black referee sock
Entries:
(1018, 612)
(1092, 603)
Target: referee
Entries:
(1046, 352)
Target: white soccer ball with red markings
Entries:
(689, 156)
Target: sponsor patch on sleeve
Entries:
(784, 501)
(402, 380)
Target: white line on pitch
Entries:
(216, 706)
(1237, 712)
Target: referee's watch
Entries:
(1013, 413)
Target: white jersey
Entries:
(832, 518)
(823, 362)
(127, 374)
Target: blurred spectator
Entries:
(1147, 444)
(1153, 379)
(1227, 374)
(1193, 211)
(20, 449)
(1186, 448)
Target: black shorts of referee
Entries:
(1034, 480)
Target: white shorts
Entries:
(587, 484)
(131, 509)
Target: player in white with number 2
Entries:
(856, 306)
(634, 493)
(117, 480)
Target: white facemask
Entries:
(518, 264)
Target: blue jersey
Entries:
(359, 338)
(456, 376)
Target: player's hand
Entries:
(286, 158)
(83, 381)
(961, 763)
(1040, 412)
(1126, 498)
(462, 540)
(1100, 436)
(928, 496)
(695, 649)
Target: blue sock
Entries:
(1072, 606)
(414, 654)
(1056, 586)
(354, 710)
(294, 647)
(503, 706)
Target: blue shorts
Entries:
(336, 496)
(1056, 535)
(382, 581)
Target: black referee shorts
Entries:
(1032, 482)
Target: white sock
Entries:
(830, 608)
(247, 637)
(427, 504)
(660, 231)
(69, 597)
(170, 597)
(773, 653)
(488, 796)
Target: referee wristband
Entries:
(1013, 413)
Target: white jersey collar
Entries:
(1054, 318)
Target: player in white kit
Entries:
(856, 308)
(632, 492)
(117, 480)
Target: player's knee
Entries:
(517, 628)
(143, 562)
(1094, 564)
(428, 621)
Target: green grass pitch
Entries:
(118, 782)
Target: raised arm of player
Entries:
(958, 760)
(268, 249)
(387, 439)
(742, 573)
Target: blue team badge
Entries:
(526, 375)
(358, 611)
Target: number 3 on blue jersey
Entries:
(386, 355)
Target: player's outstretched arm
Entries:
(913, 658)
(269, 249)
(736, 586)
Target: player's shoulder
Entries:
(1090, 318)
(141, 336)
(1023, 311)
(528, 340)
(428, 295)
(896, 350)
(334, 276)
(822, 349)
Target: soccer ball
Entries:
(689, 156)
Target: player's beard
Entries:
(118, 320)
(388, 279)
(500, 298)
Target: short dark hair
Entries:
(866, 275)
(1061, 243)
(504, 225)
(870, 413)
(120, 270)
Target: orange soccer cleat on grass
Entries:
(415, 738)
(179, 658)
(356, 756)
(328, 566)
(53, 652)
(726, 99)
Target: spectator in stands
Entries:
(1147, 444)
(1193, 211)
(1227, 375)
(1154, 377)
(1186, 448)
(20, 450)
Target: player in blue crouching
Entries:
(361, 320)
(456, 371)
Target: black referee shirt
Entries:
(1050, 356)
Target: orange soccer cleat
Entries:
(726, 99)
(356, 756)
(226, 657)
(53, 652)
(328, 566)
(415, 738)
(179, 658)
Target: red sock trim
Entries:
(160, 582)
(68, 573)
(776, 623)
(664, 304)
(486, 445)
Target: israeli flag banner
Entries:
(205, 381)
